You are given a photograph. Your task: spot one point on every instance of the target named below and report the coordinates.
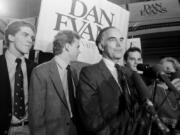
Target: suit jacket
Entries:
(5, 96)
(48, 109)
(102, 105)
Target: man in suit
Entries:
(50, 105)
(19, 37)
(104, 89)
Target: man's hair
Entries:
(131, 49)
(100, 36)
(63, 37)
(14, 27)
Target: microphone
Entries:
(143, 67)
(157, 71)
(150, 108)
(150, 71)
(145, 94)
(141, 87)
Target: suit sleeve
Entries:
(37, 104)
(89, 102)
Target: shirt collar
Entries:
(11, 57)
(62, 64)
(110, 64)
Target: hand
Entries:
(176, 83)
(163, 85)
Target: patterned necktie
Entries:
(19, 106)
(71, 89)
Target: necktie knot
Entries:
(119, 72)
(118, 67)
(18, 61)
(68, 67)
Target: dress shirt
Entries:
(111, 66)
(62, 65)
(11, 65)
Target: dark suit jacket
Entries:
(5, 94)
(48, 109)
(102, 106)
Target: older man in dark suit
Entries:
(104, 88)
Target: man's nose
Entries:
(118, 43)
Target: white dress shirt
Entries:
(111, 66)
(62, 65)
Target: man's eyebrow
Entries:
(111, 37)
(121, 38)
(25, 32)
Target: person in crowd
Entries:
(167, 100)
(15, 71)
(105, 88)
(52, 108)
(133, 57)
(170, 65)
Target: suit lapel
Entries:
(29, 66)
(108, 76)
(54, 75)
(4, 70)
(75, 76)
(5, 83)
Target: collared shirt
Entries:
(62, 65)
(111, 66)
(11, 65)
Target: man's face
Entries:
(133, 59)
(74, 50)
(112, 44)
(22, 40)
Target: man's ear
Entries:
(101, 47)
(124, 62)
(67, 46)
(11, 38)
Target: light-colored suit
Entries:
(48, 109)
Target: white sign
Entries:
(155, 16)
(153, 10)
(86, 17)
(133, 42)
